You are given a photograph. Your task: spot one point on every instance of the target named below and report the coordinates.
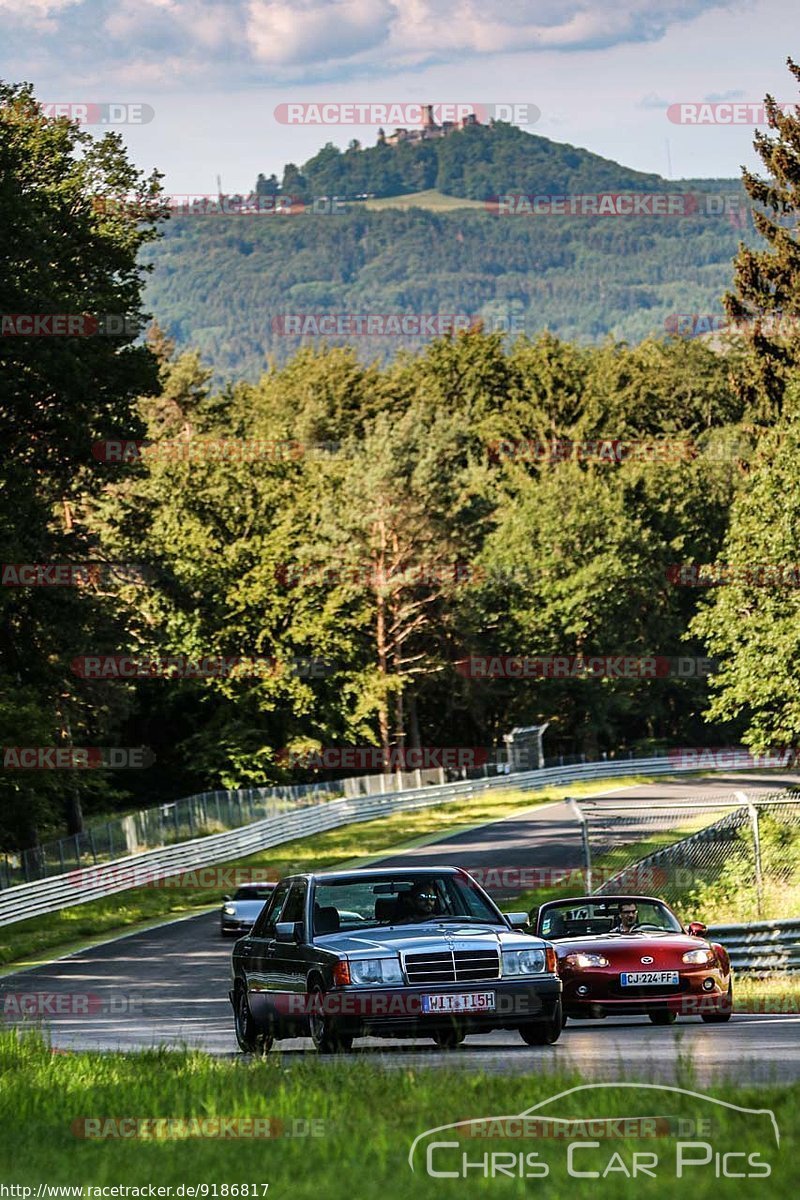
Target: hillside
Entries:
(222, 283)
(475, 163)
(428, 242)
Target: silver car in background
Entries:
(240, 910)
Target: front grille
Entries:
(453, 966)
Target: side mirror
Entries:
(696, 929)
(517, 920)
(288, 931)
(225, 899)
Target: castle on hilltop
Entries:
(428, 131)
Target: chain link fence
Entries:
(215, 812)
(208, 813)
(737, 850)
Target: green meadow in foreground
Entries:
(343, 1129)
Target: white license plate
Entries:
(450, 1002)
(645, 978)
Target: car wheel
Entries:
(250, 1038)
(543, 1033)
(324, 1034)
(448, 1039)
(718, 1018)
(663, 1017)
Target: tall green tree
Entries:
(751, 622)
(766, 296)
(69, 245)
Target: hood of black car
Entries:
(422, 938)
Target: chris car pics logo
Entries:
(609, 1132)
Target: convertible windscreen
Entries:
(571, 920)
(379, 900)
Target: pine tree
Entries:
(766, 300)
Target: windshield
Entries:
(405, 898)
(617, 916)
(254, 893)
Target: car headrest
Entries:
(385, 908)
(326, 919)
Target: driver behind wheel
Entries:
(420, 902)
(628, 918)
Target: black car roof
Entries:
(614, 899)
(377, 872)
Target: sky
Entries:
(213, 73)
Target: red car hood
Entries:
(628, 950)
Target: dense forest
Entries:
(224, 284)
(388, 519)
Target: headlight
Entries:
(229, 910)
(375, 970)
(581, 959)
(523, 962)
(698, 956)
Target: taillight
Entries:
(341, 973)
(551, 960)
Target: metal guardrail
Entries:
(80, 886)
(763, 946)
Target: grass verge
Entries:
(24, 941)
(342, 1129)
(430, 199)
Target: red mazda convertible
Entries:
(620, 955)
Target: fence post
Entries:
(753, 814)
(587, 852)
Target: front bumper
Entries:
(601, 995)
(233, 925)
(398, 1011)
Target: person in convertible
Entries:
(628, 918)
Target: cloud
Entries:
(287, 33)
(713, 97)
(324, 38)
(651, 100)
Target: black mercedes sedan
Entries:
(390, 953)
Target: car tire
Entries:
(719, 1018)
(543, 1033)
(661, 1016)
(324, 1034)
(448, 1039)
(250, 1038)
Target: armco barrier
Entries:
(80, 886)
(763, 946)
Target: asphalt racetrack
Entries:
(169, 985)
